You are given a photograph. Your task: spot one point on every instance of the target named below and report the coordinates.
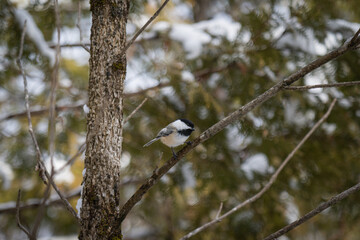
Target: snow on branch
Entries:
(35, 34)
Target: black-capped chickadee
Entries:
(174, 134)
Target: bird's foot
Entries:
(174, 154)
(189, 142)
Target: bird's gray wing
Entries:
(165, 132)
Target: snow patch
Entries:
(6, 175)
(257, 163)
(86, 109)
(65, 175)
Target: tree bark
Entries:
(101, 195)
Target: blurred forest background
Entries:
(198, 60)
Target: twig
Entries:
(18, 216)
(69, 45)
(268, 184)
(79, 27)
(219, 211)
(43, 173)
(54, 82)
(27, 107)
(342, 84)
(314, 212)
(41, 111)
(160, 85)
(143, 28)
(62, 197)
(72, 159)
(135, 110)
(10, 207)
(234, 116)
(40, 213)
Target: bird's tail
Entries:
(149, 143)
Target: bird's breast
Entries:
(174, 140)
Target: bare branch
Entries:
(42, 111)
(314, 212)
(18, 216)
(355, 40)
(27, 106)
(79, 27)
(341, 84)
(53, 88)
(268, 184)
(143, 28)
(135, 110)
(10, 207)
(160, 85)
(62, 197)
(72, 159)
(40, 212)
(219, 211)
(69, 45)
(43, 173)
(234, 116)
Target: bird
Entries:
(174, 134)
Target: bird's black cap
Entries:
(187, 122)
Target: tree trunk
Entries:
(101, 195)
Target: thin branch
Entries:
(27, 106)
(72, 159)
(234, 116)
(18, 216)
(62, 197)
(43, 173)
(69, 45)
(219, 211)
(268, 184)
(40, 212)
(79, 27)
(143, 28)
(10, 207)
(341, 84)
(53, 88)
(314, 212)
(42, 111)
(160, 85)
(135, 110)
